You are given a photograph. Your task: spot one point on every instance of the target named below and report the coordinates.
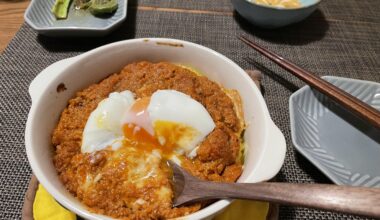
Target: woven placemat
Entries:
(342, 38)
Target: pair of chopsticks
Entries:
(341, 97)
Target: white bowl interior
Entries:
(95, 65)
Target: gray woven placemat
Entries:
(342, 38)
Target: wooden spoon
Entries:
(347, 199)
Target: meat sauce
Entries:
(131, 183)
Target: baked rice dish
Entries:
(126, 176)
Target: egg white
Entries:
(174, 106)
(104, 127)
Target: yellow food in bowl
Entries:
(279, 3)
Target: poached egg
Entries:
(169, 121)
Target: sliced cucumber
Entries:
(60, 8)
(99, 7)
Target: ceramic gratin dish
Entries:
(54, 86)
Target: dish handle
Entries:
(273, 156)
(43, 79)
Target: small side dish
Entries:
(114, 138)
(341, 145)
(275, 13)
(78, 22)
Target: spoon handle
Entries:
(347, 199)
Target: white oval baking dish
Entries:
(55, 85)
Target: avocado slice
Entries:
(99, 7)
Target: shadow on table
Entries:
(311, 170)
(309, 30)
(275, 76)
(307, 167)
(125, 31)
(289, 212)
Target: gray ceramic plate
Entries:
(341, 145)
(78, 23)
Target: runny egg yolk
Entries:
(168, 137)
(140, 106)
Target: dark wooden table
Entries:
(11, 17)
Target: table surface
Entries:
(342, 38)
(11, 17)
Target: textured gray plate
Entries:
(78, 22)
(341, 145)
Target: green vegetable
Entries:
(60, 8)
(99, 7)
